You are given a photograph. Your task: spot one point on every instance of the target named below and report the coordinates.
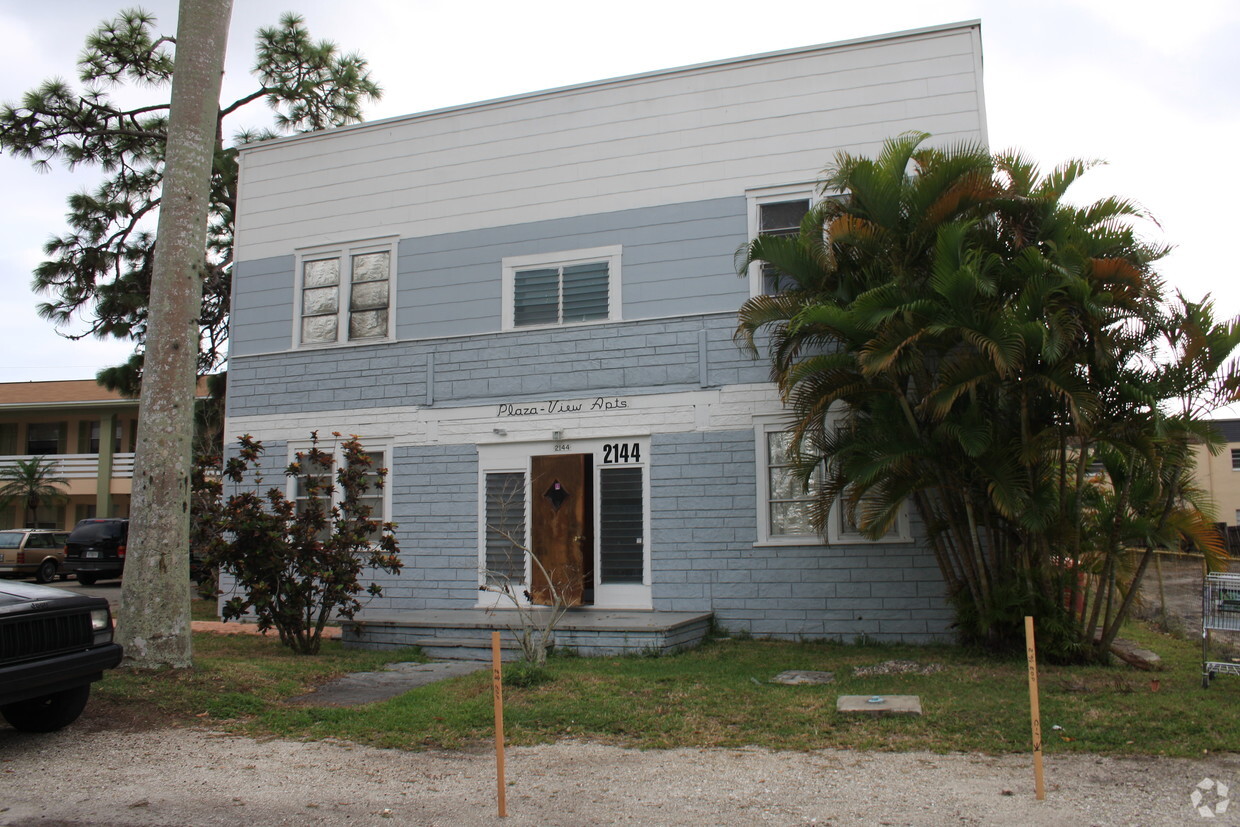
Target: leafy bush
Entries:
(297, 561)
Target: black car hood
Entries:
(18, 597)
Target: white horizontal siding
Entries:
(682, 136)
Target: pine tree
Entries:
(99, 271)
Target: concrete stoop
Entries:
(465, 634)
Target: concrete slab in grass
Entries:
(878, 704)
(396, 679)
(801, 677)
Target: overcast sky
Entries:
(1149, 87)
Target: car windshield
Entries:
(10, 539)
(94, 532)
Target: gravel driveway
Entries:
(197, 777)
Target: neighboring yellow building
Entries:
(66, 422)
(1220, 474)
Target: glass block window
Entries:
(320, 300)
(345, 296)
(562, 288)
(785, 503)
(505, 527)
(788, 501)
(368, 298)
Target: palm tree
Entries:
(31, 483)
(984, 343)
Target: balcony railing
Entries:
(78, 466)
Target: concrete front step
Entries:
(465, 634)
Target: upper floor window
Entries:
(777, 211)
(1235, 459)
(90, 439)
(779, 218)
(345, 293)
(561, 288)
(45, 438)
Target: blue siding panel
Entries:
(704, 559)
(262, 306)
(603, 359)
(677, 260)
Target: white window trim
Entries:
(517, 458)
(332, 446)
(345, 251)
(509, 266)
(901, 532)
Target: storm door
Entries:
(561, 527)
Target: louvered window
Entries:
(345, 295)
(505, 527)
(562, 288)
(1235, 459)
(561, 295)
(621, 525)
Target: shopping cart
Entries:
(1220, 610)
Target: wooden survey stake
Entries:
(1035, 714)
(497, 679)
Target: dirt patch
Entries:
(1171, 597)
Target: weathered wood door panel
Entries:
(561, 531)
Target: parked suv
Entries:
(96, 549)
(27, 552)
(53, 645)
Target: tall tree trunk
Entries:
(154, 617)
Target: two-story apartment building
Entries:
(525, 307)
(66, 422)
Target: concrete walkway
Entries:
(358, 687)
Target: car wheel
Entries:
(48, 713)
(88, 578)
(46, 572)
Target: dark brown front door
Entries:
(561, 532)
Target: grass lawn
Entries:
(715, 696)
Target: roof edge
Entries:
(962, 25)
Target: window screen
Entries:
(621, 526)
(505, 527)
